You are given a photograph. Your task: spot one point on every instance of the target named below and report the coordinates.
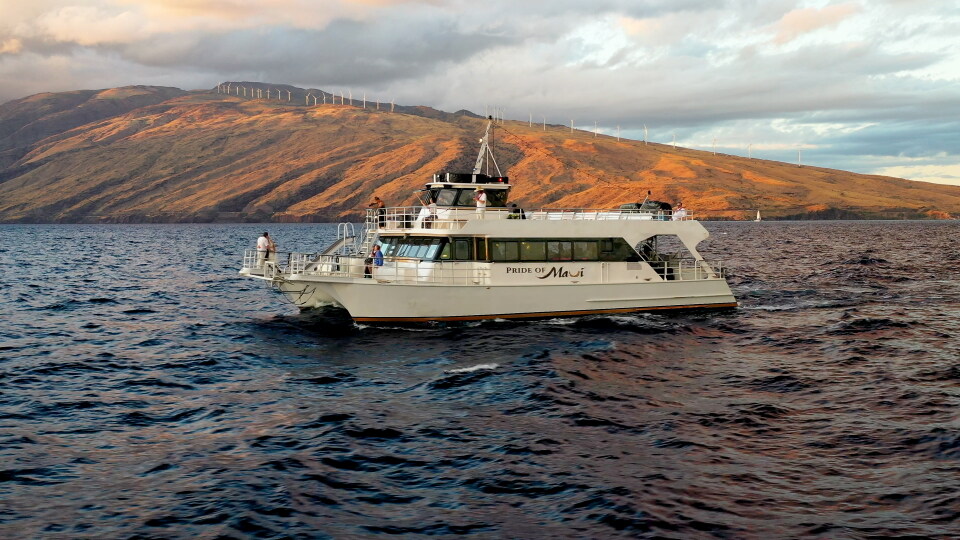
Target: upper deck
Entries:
(434, 219)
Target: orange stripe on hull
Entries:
(542, 314)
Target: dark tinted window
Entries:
(586, 251)
(504, 250)
(497, 198)
(533, 250)
(600, 249)
(461, 249)
(466, 198)
(559, 250)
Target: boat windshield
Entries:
(414, 248)
(496, 198)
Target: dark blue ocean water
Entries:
(148, 392)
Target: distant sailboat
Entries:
(758, 216)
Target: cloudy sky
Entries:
(870, 86)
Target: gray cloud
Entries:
(858, 86)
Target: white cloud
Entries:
(803, 21)
(938, 174)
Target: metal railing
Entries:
(276, 264)
(420, 217)
(688, 269)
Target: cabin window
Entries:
(504, 251)
(616, 249)
(560, 251)
(432, 250)
(414, 248)
(465, 198)
(600, 249)
(388, 245)
(456, 249)
(586, 251)
(496, 198)
(461, 249)
(533, 250)
(446, 197)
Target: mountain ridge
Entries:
(160, 154)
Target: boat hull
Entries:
(373, 301)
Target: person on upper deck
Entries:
(679, 212)
(379, 207)
(481, 197)
(516, 212)
(427, 214)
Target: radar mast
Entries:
(486, 151)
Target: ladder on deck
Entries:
(368, 236)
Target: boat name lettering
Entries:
(558, 271)
(523, 270)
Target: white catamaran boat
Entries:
(449, 260)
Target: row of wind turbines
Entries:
(257, 93)
(497, 113)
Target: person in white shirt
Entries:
(481, 197)
(264, 246)
(679, 212)
(427, 214)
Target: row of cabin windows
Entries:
(497, 250)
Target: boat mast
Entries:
(486, 151)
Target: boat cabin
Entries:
(453, 190)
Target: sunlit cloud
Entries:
(804, 21)
(89, 25)
(938, 174)
(11, 45)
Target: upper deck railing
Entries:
(422, 217)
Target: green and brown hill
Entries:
(150, 154)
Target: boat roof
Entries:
(468, 180)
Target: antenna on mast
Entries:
(486, 153)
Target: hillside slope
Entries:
(212, 157)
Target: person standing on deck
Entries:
(680, 212)
(378, 206)
(375, 259)
(264, 246)
(481, 197)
